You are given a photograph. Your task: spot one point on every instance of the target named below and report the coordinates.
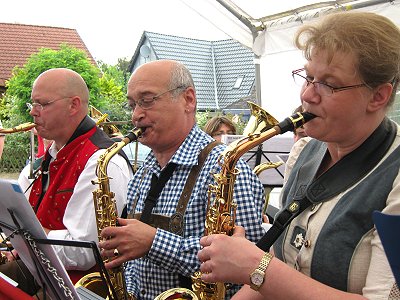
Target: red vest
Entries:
(64, 172)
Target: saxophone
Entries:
(221, 212)
(19, 128)
(106, 216)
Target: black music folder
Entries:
(19, 223)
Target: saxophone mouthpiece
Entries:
(295, 121)
(134, 134)
(308, 116)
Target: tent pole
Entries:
(257, 62)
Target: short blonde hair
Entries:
(373, 39)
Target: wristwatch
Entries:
(257, 276)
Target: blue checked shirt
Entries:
(172, 254)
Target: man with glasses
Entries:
(61, 194)
(162, 239)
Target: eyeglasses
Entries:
(41, 106)
(147, 102)
(323, 89)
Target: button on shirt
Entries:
(171, 254)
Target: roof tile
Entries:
(18, 42)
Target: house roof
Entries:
(215, 66)
(18, 42)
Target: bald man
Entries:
(62, 199)
(161, 242)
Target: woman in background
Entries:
(219, 125)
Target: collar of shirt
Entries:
(53, 151)
(187, 154)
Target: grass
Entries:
(9, 175)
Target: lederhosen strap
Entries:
(157, 185)
(175, 223)
(345, 173)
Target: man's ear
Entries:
(75, 105)
(381, 97)
(190, 99)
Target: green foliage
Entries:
(107, 87)
(113, 93)
(20, 84)
(203, 117)
(16, 151)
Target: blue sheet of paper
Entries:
(388, 227)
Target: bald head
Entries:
(63, 97)
(171, 73)
(65, 82)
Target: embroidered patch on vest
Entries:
(298, 237)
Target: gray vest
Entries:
(334, 248)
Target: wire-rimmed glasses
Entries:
(40, 106)
(323, 89)
(147, 102)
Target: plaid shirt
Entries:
(171, 254)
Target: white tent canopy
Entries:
(267, 27)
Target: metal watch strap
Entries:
(265, 260)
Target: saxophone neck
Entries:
(18, 128)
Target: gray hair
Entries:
(180, 77)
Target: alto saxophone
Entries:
(106, 216)
(221, 212)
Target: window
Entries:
(238, 82)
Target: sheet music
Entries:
(13, 199)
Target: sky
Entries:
(112, 29)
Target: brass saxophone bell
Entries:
(259, 121)
(177, 293)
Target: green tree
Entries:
(13, 105)
(113, 92)
(107, 86)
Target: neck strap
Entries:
(345, 173)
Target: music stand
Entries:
(273, 150)
(19, 223)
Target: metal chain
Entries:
(46, 262)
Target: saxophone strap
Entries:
(345, 173)
(175, 223)
(157, 185)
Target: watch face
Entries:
(257, 278)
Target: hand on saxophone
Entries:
(228, 258)
(131, 240)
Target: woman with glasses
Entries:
(325, 245)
